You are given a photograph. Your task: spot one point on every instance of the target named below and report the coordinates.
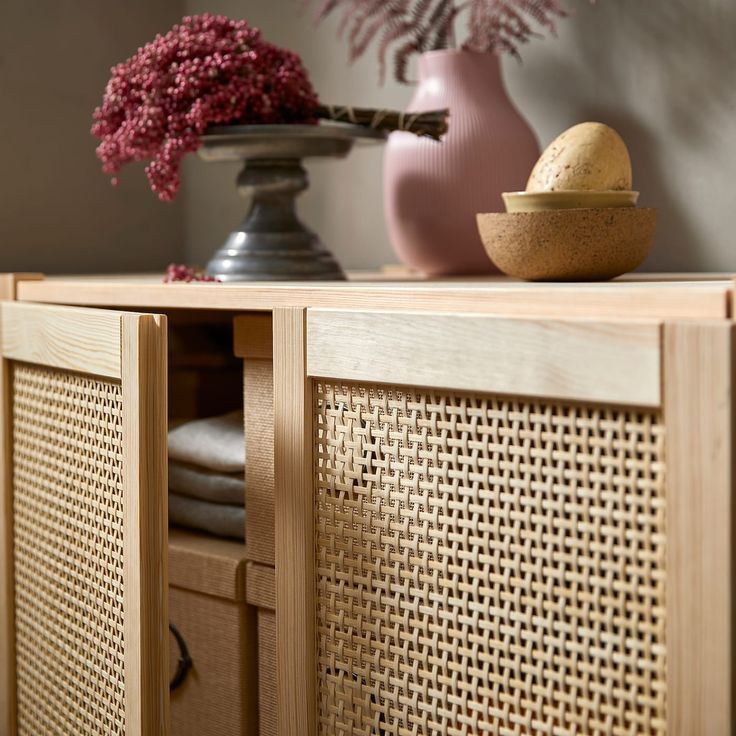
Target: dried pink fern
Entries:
(403, 28)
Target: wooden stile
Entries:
(699, 416)
(145, 544)
(294, 528)
(8, 289)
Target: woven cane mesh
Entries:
(68, 511)
(487, 565)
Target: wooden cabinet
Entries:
(84, 529)
(504, 526)
(471, 507)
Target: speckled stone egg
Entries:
(588, 156)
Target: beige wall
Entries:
(661, 71)
(58, 212)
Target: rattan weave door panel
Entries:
(85, 464)
(487, 565)
(68, 535)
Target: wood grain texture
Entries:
(580, 360)
(144, 377)
(253, 336)
(8, 286)
(259, 471)
(10, 281)
(654, 297)
(261, 585)
(699, 405)
(207, 564)
(296, 667)
(84, 340)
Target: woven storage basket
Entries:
(219, 696)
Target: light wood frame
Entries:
(699, 424)
(8, 292)
(582, 360)
(295, 660)
(130, 348)
(82, 340)
(684, 369)
(651, 296)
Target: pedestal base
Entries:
(274, 256)
(272, 244)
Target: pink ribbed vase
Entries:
(432, 191)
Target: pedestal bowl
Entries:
(272, 243)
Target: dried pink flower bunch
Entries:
(414, 26)
(208, 70)
(181, 272)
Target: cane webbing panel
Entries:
(487, 565)
(68, 524)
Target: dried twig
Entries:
(432, 124)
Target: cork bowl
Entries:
(568, 245)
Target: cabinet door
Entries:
(84, 630)
(503, 526)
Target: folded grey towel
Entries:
(206, 485)
(216, 518)
(217, 443)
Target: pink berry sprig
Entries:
(207, 70)
(181, 272)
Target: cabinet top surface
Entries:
(701, 296)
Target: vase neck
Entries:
(465, 68)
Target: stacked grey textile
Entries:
(207, 475)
